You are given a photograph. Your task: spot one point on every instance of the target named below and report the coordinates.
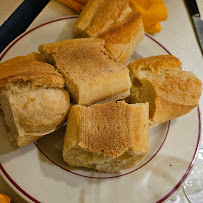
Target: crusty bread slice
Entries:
(32, 67)
(170, 91)
(32, 98)
(107, 137)
(119, 23)
(90, 72)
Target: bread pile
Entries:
(103, 132)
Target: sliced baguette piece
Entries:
(119, 23)
(91, 74)
(170, 91)
(32, 98)
(107, 137)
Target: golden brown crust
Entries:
(95, 22)
(109, 129)
(74, 57)
(167, 110)
(170, 91)
(154, 63)
(21, 140)
(122, 39)
(32, 67)
(99, 15)
(90, 71)
(119, 23)
(25, 140)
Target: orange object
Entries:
(4, 198)
(153, 12)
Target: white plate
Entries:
(38, 173)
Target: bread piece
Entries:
(91, 74)
(119, 23)
(32, 98)
(170, 91)
(32, 67)
(107, 137)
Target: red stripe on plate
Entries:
(92, 177)
(161, 200)
(191, 163)
(24, 34)
(16, 185)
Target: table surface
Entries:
(177, 35)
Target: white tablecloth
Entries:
(177, 36)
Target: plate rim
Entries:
(28, 197)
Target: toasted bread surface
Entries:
(90, 72)
(32, 67)
(170, 91)
(105, 132)
(119, 23)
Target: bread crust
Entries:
(32, 98)
(91, 73)
(119, 23)
(22, 140)
(30, 113)
(108, 131)
(111, 139)
(155, 63)
(173, 92)
(32, 67)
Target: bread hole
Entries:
(145, 68)
(137, 83)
